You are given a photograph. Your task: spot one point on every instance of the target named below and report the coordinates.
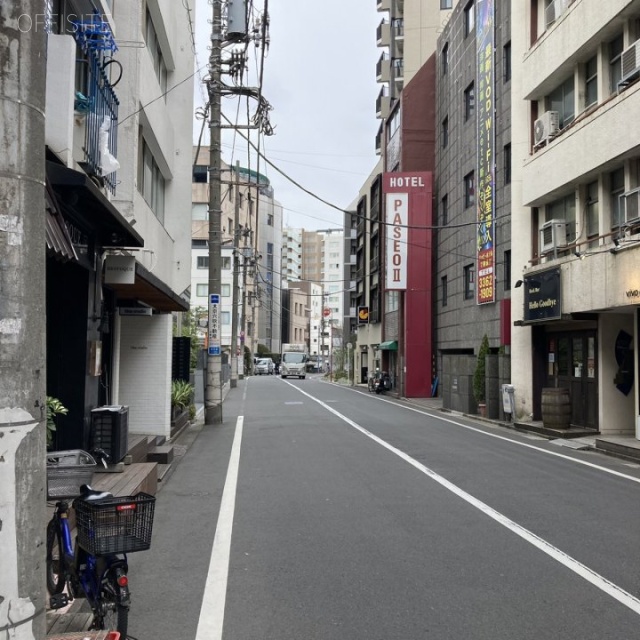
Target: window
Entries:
(616, 189)
(469, 19)
(507, 270)
(445, 133)
(443, 285)
(506, 62)
(469, 281)
(444, 210)
(592, 210)
(562, 101)
(153, 47)
(198, 243)
(393, 300)
(270, 219)
(507, 163)
(615, 63)
(203, 262)
(445, 59)
(469, 190)
(225, 317)
(446, 4)
(199, 211)
(200, 173)
(591, 82)
(226, 263)
(564, 209)
(151, 181)
(469, 102)
(202, 290)
(226, 290)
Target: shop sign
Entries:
(542, 299)
(120, 270)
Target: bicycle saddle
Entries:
(89, 494)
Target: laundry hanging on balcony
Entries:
(95, 35)
(108, 162)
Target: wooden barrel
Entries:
(556, 408)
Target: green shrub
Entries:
(181, 393)
(54, 408)
(479, 375)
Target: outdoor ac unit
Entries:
(546, 127)
(553, 235)
(631, 204)
(630, 62)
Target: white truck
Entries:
(293, 361)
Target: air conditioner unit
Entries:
(630, 211)
(546, 127)
(630, 62)
(553, 235)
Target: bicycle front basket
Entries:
(115, 524)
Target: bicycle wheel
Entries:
(56, 568)
(111, 614)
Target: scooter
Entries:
(382, 383)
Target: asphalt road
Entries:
(347, 516)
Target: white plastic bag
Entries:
(108, 162)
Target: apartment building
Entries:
(240, 192)
(118, 134)
(291, 254)
(575, 221)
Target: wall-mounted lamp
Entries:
(518, 284)
(577, 254)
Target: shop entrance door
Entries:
(573, 365)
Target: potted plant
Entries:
(479, 377)
(54, 408)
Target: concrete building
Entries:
(472, 247)
(239, 194)
(291, 254)
(118, 167)
(575, 223)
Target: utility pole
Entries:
(22, 320)
(213, 390)
(234, 287)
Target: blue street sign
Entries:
(214, 351)
(214, 298)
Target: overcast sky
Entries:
(319, 77)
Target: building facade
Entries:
(473, 198)
(118, 250)
(575, 210)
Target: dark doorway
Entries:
(572, 364)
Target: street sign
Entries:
(214, 325)
(326, 313)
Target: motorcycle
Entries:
(382, 383)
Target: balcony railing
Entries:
(100, 105)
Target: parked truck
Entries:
(293, 361)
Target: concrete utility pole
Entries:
(234, 286)
(213, 390)
(23, 44)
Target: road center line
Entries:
(215, 591)
(619, 594)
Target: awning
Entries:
(149, 290)
(59, 243)
(390, 345)
(79, 196)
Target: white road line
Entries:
(436, 415)
(574, 565)
(215, 592)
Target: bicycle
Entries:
(95, 568)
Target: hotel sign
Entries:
(400, 190)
